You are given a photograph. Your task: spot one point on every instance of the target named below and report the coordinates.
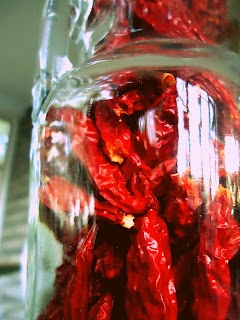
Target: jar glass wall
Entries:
(135, 207)
(74, 31)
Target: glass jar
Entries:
(134, 209)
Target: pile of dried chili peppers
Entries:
(162, 246)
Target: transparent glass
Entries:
(75, 30)
(135, 194)
(134, 210)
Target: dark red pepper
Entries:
(212, 281)
(184, 197)
(108, 263)
(156, 141)
(212, 18)
(78, 287)
(150, 290)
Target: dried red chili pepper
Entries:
(184, 197)
(150, 290)
(115, 133)
(162, 169)
(170, 18)
(128, 103)
(108, 212)
(62, 196)
(113, 189)
(157, 138)
(102, 310)
(86, 147)
(211, 17)
(108, 263)
(78, 287)
(212, 281)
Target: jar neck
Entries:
(74, 31)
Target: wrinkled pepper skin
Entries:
(114, 132)
(77, 296)
(212, 18)
(173, 19)
(150, 290)
(212, 281)
(102, 309)
(161, 248)
(64, 197)
(162, 117)
(108, 263)
(85, 146)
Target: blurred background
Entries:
(19, 38)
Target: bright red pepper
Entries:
(115, 134)
(102, 310)
(174, 262)
(62, 196)
(86, 147)
(170, 18)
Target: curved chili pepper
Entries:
(162, 169)
(212, 281)
(170, 18)
(86, 147)
(102, 310)
(108, 263)
(156, 141)
(150, 290)
(115, 133)
(77, 296)
(108, 212)
(211, 17)
(128, 103)
(62, 196)
(114, 189)
(184, 197)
